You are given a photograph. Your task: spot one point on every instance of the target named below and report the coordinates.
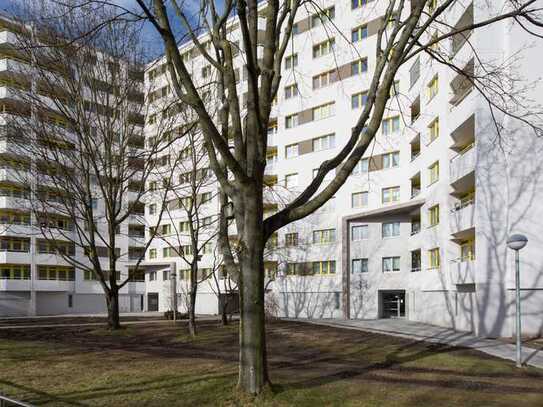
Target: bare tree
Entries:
(191, 220)
(79, 127)
(405, 30)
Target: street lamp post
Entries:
(517, 242)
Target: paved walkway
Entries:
(33, 322)
(430, 333)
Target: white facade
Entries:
(27, 287)
(449, 268)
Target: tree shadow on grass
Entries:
(78, 398)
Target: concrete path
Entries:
(152, 319)
(430, 333)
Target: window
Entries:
(166, 229)
(391, 194)
(165, 275)
(324, 236)
(14, 272)
(206, 197)
(207, 248)
(206, 71)
(322, 80)
(291, 61)
(291, 239)
(324, 48)
(359, 100)
(168, 252)
(434, 172)
(152, 209)
(291, 121)
(291, 91)
(291, 180)
(433, 215)
(59, 273)
(70, 300)
(186, 249)
(432, 88)
(359, 266)
(434, 258)
(358, 3)
(361, 167)
(152, 253)
(391, 264)
(432, 4)
(292, 269)
(359, 67)
(391, 160)
(324, 267)
(390, 125)
(359, 199)
(359, 232)
(295, 29)
(414, 72)
(323, 111)
(322, 16)
(359, 33)
(324, 142)
(433, 129)
(291, 151)
(152, 276)
(390, 229)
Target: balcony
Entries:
(462, 271)
(54, 285)
(462, 217)
(463, 163)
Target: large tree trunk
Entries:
(112, 302)
(253, 371)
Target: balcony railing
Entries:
(463, 162)
(14, 250)
(462, 204)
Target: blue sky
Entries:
(153, 42)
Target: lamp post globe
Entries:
(517, 241)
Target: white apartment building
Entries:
(34, 279)
(419, 229)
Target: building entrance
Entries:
(392, 304)
(152, 301)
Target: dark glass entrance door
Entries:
(392, 304)
(152, 301)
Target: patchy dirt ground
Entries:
(160, 365)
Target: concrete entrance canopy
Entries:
(405, 208)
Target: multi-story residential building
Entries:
(34, 279)
(419, 229)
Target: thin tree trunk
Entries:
(253, 372)
(112, 302)
(224, 313)
(192, 302)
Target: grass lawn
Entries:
(160, 365)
